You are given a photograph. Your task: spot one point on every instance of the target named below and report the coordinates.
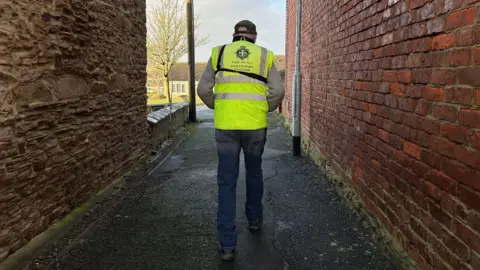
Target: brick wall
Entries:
(72, 106)
(391, 98)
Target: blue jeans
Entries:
(229, 144)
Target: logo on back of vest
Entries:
(242, 53)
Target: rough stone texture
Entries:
(388, 104)
(72, 106)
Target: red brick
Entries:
(460, 57)
(383, 135)
(397, 89)
(430, 190)
(402, 159)
(363, 106)
(379, 103)
(403, 47)
(414, 253)
(455, 245)
(433, 93)
(429, 125)
(442, 181)
(476, 139)
(396, 142)
(475, 261)
(452, 4)
(446, 112)
(443, 76)
(422, 44)
(442, 146)
(412, 149)
(420, 199)
(469, 197)
(418, 30)
(468, 236)
(436, 59)
(469, 117)
(404, 76)
(469, 76)
(420, 168)
(443, 41)
(414, 91)
(422, 108)
(462, 173)
(467, 36)
(436, 25)
(478, 14)
(439, 264)
(466, 214)
(418, 227)
(387, 125)
(413, 4)
(442, 217)
(421, 138)
(422, 76)
(477, 55)
(407, 104)
(390, 76)
(467, 156)
(455, 133)
(459, 95)
(363, 85)
(410, 120)
(477, 97)
(383, 111)
(449, 203)
(460, 18)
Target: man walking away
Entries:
(247, 87)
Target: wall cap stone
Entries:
(157, 116)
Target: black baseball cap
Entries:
(249, 28)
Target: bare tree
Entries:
(167, 39)
(155, 78)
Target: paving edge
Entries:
(21, 257)
(380, 235)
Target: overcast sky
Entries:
(218, 17)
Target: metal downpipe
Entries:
(297, 84)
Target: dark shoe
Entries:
(253, 227)
(227, 254)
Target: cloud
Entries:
(218, 17)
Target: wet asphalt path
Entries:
(168, 220)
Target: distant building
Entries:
(178, 77)
(280, 62)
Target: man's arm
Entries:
(276, 89)
(206, 84)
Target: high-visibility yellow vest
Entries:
(240, 100)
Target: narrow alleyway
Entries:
(167, 221)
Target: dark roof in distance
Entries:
(179, 71)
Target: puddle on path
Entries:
(172, 164)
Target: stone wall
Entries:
(391, 102)
(72, 106)
(165, 122)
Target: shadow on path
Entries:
(167, 221)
